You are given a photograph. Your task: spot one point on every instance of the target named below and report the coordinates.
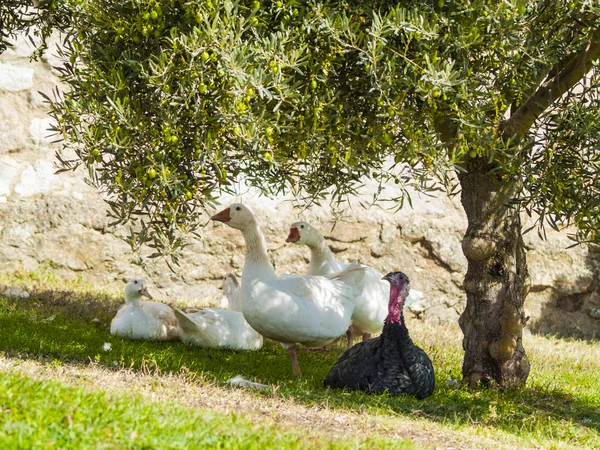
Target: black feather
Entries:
(389, 363)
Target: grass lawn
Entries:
(60, 388)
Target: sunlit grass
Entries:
(558, 408)
(46, 414)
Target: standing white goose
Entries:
(305, 309)
(143, 319)
(371, 307)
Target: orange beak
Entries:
(224, 216)
(144, 291)
(294, 235)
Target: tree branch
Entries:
(551, 90)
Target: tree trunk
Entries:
(496, 281)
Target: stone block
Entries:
(13, 78)
(13, 124)
(8, 173)
(22, 46)
(37, 178)
(39, 130)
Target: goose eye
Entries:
(301, 226)
(238, 208)
(135, 281)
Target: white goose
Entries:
(305, 309)
(371, 307)
(217, 327)
(143, 319)
(231, 290)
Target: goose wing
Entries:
(199, 328)
(323, 290)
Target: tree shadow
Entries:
(573, 315)
(73, 328)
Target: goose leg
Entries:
(366, 337)
(323, 348)
(292, 352)
(350, 335)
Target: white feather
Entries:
(215, 327)
(238, 380)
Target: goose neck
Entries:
(320, 256)
(256, 248)
(133, 300)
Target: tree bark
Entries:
(496, 282)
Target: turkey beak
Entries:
(144, 291)
(388, 278)
(294, 235)
(224, 216)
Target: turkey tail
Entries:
(353, 276)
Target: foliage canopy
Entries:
(171, 101)
(34, 18)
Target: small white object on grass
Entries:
(452, 383)
(107, 347)
(16, 292)
(240, 381)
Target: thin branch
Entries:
(551, 90)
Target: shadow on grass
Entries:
(68, 327)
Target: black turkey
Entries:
(390, 362)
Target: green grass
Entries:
(558, 408)
(46, 414)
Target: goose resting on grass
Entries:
(139, 319)
(217, 327)
(231, 290)
(390, 362)
(291, 309)
(371, 306)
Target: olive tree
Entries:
(170, 101)
(32, 17)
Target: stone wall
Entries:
(58, 223)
